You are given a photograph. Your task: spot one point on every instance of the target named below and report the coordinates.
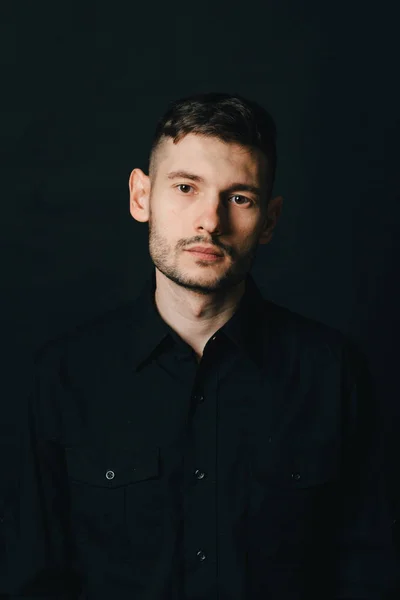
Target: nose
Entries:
(211, 216)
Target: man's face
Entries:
(210, 208)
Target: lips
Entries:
(206, 250)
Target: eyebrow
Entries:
(241, 187)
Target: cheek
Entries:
(247, 234)
(166, 209)
(163, 217)
(170, 225)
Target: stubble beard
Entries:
(160, 251)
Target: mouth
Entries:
(205, 255)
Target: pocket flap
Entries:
(302, 469)
(311, 473)
(85, 466)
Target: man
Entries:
(202, 442)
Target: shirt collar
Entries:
(246, 328)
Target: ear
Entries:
(273, 213)
(139, 194)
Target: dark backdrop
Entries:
(82, 87)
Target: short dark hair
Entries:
(230, 118)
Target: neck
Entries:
(195, 317)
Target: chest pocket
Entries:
(292, 498)
(102, 485)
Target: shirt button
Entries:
(200, 555)
(110, 474)
(199, 474)
(296, 476)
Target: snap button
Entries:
(110, 474)
(296, 476)
(199, 474)
(201, 556)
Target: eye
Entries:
(242, 197)
(183, 185)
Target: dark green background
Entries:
(82, 86)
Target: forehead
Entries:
(211, 156)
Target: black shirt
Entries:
(146, 475)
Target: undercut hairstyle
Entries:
(230, 118)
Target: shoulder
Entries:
(324, 343)
(303, 330)
(86, 340)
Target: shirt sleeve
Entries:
(39, 547)
(368, 566)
